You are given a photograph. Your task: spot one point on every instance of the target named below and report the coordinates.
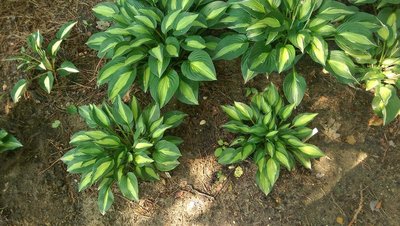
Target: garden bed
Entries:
(359, 177)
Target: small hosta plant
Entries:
(268, 135)
(8, 142)
(126, 144)
(371, 55)
(272, 35)
(159, 44)
(43, 61)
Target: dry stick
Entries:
(360, 205)
(192, 189)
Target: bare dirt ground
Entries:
(358, 180)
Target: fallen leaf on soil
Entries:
(4, 87)
(203, 122)
(340, 220)
(375, 121)
(351, 140)
(330, 130)
(102, 25)
(375, 205)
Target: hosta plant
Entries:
(268, 135)
(8, 142)
(125, 144)
(273, 35)
(43, 61)
(371, 55)
(159, 44)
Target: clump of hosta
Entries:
(125, 144)
(160, 45)
(268, 135)
(371, 55)
(43, 61)
(273, 35)
(8, 142)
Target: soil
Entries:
(358, 179)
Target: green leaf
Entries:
(294, 87)
(311, 151)
(54, 47)
(169, 21)
(262, 181)
(194, 42)
(231, 47)
(95, 41)
(129, 186)
(18, 90)
(46, 81)
(8, 142)
(188, 91)
(285, 57)
(64, 31)
(167, 87)
(100, 117)
(199, 67)
(303, 119)
(341, 66)
(106, 198)
(213, 11)
(172, 46)
(318, 50)
(183, 22)
(67, 68)
(122, 113)
(101, 168)
(174, 118)
(110, 69)
(245, 111)
(386, 103)
(105, 10)
(121, 82)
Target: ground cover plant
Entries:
(125, 144)
(266, 134)
(8, 142)
(160, 44)
(371, 55)
(273, 35)
(169, 48)
(42, 61)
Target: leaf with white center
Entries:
(54, 47)
(18, 90)
(231, 47)
(294, 87)
(199, 67)
(96, 40)
(64, 31)
(46, 81)
(67, 68)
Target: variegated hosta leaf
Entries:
(8, 142)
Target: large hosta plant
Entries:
(371, 55)
(268, 135)
(274, 34)
(125, 144)
(159, 44)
